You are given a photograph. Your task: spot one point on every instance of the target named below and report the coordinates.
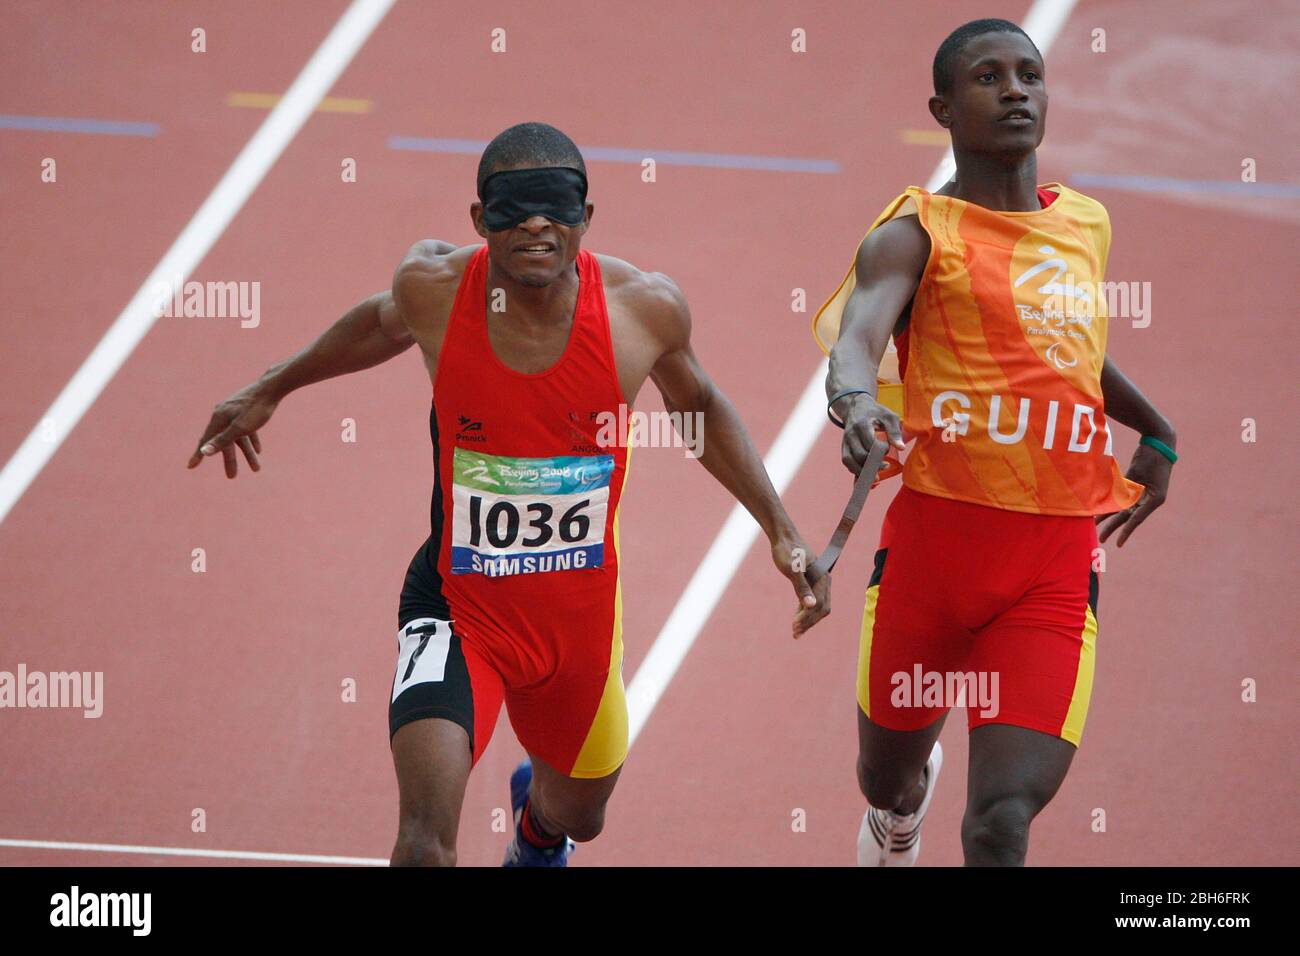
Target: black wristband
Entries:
(839, 423)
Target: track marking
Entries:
(616, 154)
(218, 210)
(1043, 23)
(186, 851)
(72, 124)
(1168, 184)
(924, 137)
(330, 104)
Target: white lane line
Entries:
(194, 242)
(185, 851)
(1043, 24)
(722, 560)
(1044, 21)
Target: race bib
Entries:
(528, 515)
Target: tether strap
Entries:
(822, 566)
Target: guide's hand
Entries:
(862, 418)
(1150, 469)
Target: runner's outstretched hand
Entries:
(814, 596)
(234, 424)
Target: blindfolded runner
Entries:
(533, 345)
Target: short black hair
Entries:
(951, 48)
(537, 144)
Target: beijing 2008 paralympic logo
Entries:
(1077, 302)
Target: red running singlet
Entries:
(523, 559)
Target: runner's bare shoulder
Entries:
(425, 283)
(652, 300)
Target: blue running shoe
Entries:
(520, 852)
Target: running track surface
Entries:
(223, 688)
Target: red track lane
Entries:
(223, 688)
(76, 250)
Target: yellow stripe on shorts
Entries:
(605, 748)
(1072, 729)
(864, 649)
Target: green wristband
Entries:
(1159, 446)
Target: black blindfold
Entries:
(514, 195)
